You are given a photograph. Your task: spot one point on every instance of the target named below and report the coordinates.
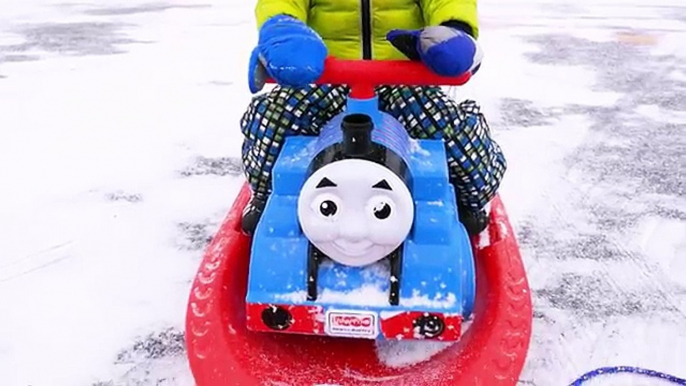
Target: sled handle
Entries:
(363, 75)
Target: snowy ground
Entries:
(118, 158)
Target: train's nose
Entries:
(353, 229)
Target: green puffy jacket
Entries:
(356, 29)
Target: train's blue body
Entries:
(437, 257)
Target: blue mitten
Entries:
(447, 51)
(288, 51)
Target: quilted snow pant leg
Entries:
(475, 161)
(273, 116)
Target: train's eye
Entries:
(328, 208)
(382, 211)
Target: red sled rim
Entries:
(222, 351)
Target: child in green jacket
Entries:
(297, 35)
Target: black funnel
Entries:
(357, 135)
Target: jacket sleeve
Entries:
(437, 12)
(266, 9)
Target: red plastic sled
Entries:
(223, 352)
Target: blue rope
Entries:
(628, 369)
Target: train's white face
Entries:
(355, 211)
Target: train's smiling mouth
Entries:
(353, 248)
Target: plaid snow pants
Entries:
(475, 161)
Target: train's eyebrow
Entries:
(383, 184)
(326, 183)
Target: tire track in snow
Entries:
(35, 262)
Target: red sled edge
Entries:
(222, 352)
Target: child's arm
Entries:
(437, 12)
(266, 9)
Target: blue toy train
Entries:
(360, 237)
